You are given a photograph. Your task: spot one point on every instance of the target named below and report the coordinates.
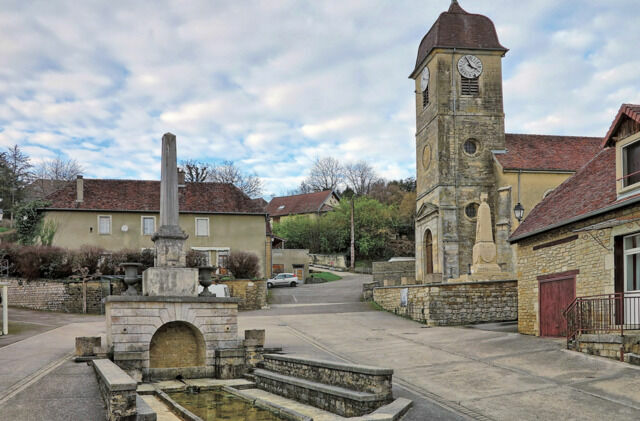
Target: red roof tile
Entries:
(138, 196)
(631, 111)
(590, 189)
(298, 204)
(542, 152)
(460, 29)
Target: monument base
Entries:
(169, 282)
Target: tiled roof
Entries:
(138, 195)
(541, 152)
(460, 29)
(590, 189)
(630, 111)
(299, 203)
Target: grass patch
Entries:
(375, 306)
(326, 276)
(3, 229)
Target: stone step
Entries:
(632, 358)
(315, 386)
(144, 411)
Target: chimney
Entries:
(79, 188)
(180, 178)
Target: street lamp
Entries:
(518, 211)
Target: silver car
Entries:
(286, 279)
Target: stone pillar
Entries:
(503, 230)
(484, 250)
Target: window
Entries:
(202, 227)
(148, 225)
(280, 207)
(104, 225)
(631, 164)
(425, 97)
(470, 147)
(471, 210)
(632, 263)
(469, 86)
(223, 260)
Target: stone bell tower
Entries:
(459, 122)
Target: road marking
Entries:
(31, 379)
(307, 304)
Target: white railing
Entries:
(5, 308)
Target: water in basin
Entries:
(213, 405)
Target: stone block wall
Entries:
(449, 304)
(394, 273)
(252, 294)
(330, 260)
(590, 253)
(61, 295)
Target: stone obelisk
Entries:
(170, 276)
(484, 250)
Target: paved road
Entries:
(452, 372)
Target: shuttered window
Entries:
(202, 227)
(425, 97)
(104, 225)
(469, 86)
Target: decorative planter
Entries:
(204, 276)
(131, 277)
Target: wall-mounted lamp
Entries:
(518, 211)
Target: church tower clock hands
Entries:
(459, 121)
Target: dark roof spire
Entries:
(455, 7)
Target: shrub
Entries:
(110, 263)
(89, 257)
(29, 220)
(196, 258)
(34, 262)
(244, 265)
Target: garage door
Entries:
(556, 293)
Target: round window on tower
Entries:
(471, 210)
(470, 147)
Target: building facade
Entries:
(462, 149)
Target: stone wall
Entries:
(330, 260)
(252, 294)
(453, 304)
(607, 345)
(61, 295)
(589, 253)
(394, 273)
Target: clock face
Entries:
(470, 66)
(424, 79)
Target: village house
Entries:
(579, 249)
(308, 204)
(118, 214)
(462, 149)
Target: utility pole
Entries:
(353, 237)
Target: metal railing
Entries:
(607, 313)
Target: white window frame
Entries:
(627, 253)
(110, 225)
(196, 227)
(142, 218)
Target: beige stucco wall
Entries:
(533, 186)
(290, 257)
(591, 254)
(237, 232)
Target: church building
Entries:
(462, 150)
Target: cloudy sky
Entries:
(272, 84)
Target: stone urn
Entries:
(131, 277)
(204, 277)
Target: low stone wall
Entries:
(449, 304)
(607, 345)
(394, 273)
(252, 294)
(118, 390)
(61, 295)
(329, 260)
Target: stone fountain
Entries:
(169, 330)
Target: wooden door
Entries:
(299, 272)
(556, 293)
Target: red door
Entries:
(556, 293)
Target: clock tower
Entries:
(459, 125)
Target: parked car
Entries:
(220, 290)
(286, 279)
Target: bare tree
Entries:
(326, 174)
(59, 169)
(228, 172)
(360, 176)
(195, 171)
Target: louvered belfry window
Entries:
(425, 97)
(470, 86)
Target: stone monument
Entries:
(484, 250)
(170, 276)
